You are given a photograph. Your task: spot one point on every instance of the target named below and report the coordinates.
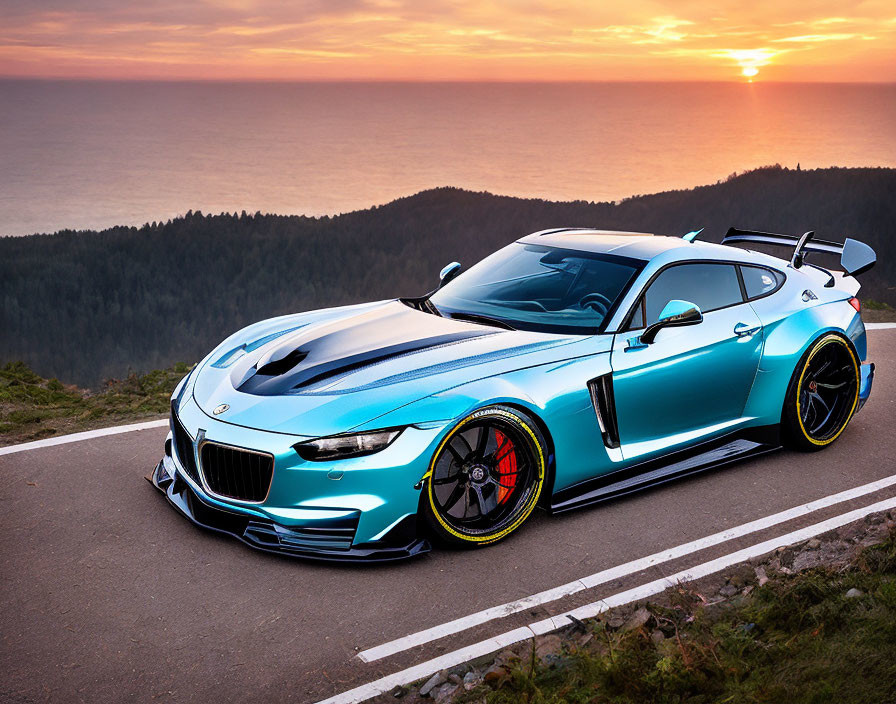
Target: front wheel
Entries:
(485, 478)
(822, 396)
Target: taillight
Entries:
(854, 302)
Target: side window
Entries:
(710, 286)
(758, 282)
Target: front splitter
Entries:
(261, 534)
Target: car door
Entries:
(692, 382)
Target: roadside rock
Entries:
(495, 674)
(852, 533)
(433, 682)
(506, 656)
(761, 576)
(807, 559)
(813, 544)
(637, 620)
(786, 556)
(854, 593)
(445, 692)
(472, 680)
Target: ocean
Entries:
(92, 154)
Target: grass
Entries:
(32, 407)
(798, 639)
(877, 312)
(871, 304)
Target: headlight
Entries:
(340, 447)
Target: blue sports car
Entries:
(569, 367)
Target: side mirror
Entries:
(857, 257)
(448, 273)
(675, 314)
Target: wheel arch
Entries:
(550, 469)
(809, 345)
(785, 343)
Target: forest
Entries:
(87, 306)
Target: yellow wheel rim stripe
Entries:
(799, 416)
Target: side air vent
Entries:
(601, 390)
(183, 447)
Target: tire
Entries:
(485, 478)
(822, 395)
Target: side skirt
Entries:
(699, 458)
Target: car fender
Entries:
(785, 342)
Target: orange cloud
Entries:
(461, 40)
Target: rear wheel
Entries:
(822, 396)
(485, 478)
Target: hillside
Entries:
(85, 306)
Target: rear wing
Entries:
(855, 257)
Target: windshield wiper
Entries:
(484, 319)
(431, 307)
(424, 305)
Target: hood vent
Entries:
(281, 366)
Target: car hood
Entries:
(327, 372)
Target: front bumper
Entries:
(360, 509)
(328, 539)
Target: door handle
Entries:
(743, 329)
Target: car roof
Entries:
(643, 245)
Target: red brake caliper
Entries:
(506, 466)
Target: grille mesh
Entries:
(236, 474)
(183, 447)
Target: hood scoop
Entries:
(281, 366)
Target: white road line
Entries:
(688, 575)
(880, 326)
(77, 437)
(461, 624)
(457, 657)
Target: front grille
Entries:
(236, 474)
(333, 534)
(183, 447)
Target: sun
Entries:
(750, 60)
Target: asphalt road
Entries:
(106, 594)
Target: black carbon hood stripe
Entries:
(290, 374)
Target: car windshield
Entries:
(540, 288)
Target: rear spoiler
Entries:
(855, 257)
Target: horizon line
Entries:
(436, 81)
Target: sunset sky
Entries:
(779, 40)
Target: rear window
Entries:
(759, 281)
